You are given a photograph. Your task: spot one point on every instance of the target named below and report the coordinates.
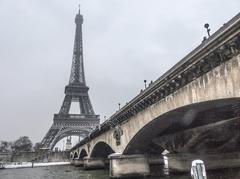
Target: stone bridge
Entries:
(192, 111)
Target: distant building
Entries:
(69, 143)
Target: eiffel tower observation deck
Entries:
(64, 123)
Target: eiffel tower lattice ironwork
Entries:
(64, 123)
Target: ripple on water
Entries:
(52, 172)
(70, 172)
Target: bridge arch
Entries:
(66, 132)
(101, 150)
(75, 156)
(149, 138)
(83, 154)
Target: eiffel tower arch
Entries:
(64, 123)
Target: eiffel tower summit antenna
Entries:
(64, 123)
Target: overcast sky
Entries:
(125, 42)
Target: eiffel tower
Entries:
(64, 123)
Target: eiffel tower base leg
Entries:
(93, 163)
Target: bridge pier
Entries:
(77, 162)
(155, 159)
(182, 162)
(128, 166)
(93, 163)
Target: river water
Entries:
(71, 172)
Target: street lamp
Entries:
(208, 29)
(145, 82)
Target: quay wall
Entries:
(36, 156)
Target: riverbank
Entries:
(41, 156)
(15, 165)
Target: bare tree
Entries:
(5, 146)
(23, 144)
(37, 146)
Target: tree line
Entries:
(22, 144)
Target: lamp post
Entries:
(145, 83)
(208, 29)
